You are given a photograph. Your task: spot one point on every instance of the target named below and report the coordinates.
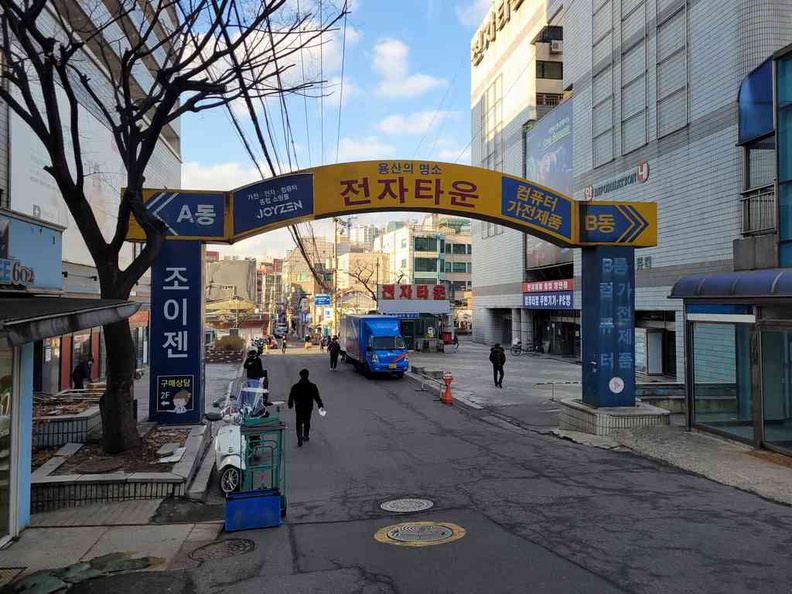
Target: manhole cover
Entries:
(407, 504)
(99, 466)
(223, 549)
(420, 534)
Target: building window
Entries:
(403, 264)
(492, 126)
(459, 267)
(404, 243)
(469, 267)
(460, 248)
(425, 244)
(490, 230)
(671, 66)
(758, 197)
(448, 266)
(634, 108)
(469, 249)
(602, 82)
(551, 70)
(425, 264)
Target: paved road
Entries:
(541, 514)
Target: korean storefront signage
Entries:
(11, 271)
(381, 186)
(608, 325)
(499, 16)
(29, 252)
(566, 284)
(554, 300)
(640, 175)
(176, 380)
(412, 292)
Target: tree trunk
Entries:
(119, 426)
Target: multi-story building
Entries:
(516, 77)
(232, 278)
(437, 251)
(363, 236)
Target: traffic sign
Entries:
(322, 299)
(619, 223)
(187, 214)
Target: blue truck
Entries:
(374, 344)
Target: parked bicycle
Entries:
(519, 348)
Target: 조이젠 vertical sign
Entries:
(177, 339)
(608, 325)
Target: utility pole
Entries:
(335, 276)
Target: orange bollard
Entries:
(447, 397)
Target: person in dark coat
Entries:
(81, 373)
(302, 397)
(334, 348)
(497, 358)
(253, 366)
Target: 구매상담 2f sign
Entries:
(272, 201)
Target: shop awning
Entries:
(28, 319)
(753, 284)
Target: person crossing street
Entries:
(302, 396)
(334, 348)
(497, 358)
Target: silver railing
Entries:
(759, 210)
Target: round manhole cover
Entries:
(407, 504)
(223, 549)
(420, 534)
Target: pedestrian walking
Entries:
(82, 372)
(283, 345)
(302, 396)
(334, 348)
(497, 358)
(455, 342)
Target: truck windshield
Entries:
(388, 342)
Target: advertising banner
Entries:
(548, 150)
(554, 300)
(177, 338)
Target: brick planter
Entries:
(63, 429)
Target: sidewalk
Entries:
(524, 404)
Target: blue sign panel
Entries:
(190, 214)
(272, 201)
(553, 300)
(620, 223)
(608, 326)
(321, 300)
(30, 254)
(176, 378)
(536, 206)
(548, 150)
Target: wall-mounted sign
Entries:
(639, 176)
(30, 253)
(321, 300)
(412, 292)
(566, 284)
(554, 300)
(500, 14)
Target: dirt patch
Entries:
(143, 459)
(42, 455)
(58, 407)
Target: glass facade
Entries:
(721, 383)
(776, 387)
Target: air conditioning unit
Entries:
(556, 46)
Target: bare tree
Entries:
(198, 54)
(366, 275)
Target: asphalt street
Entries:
(540, 514)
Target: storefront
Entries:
(31, 313)
(739, 353)
(555, 321)
(424, 310)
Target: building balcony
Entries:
(759, 211)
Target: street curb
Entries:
(200, 485)
(430, 385)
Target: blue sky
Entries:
(406, 94)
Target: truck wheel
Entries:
(366, 371)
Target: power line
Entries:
(341, 92)
(305, 97)
(321, 82)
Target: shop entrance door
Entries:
(777, 388)
(408, 333)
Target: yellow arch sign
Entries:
(381, 186)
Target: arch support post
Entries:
(608, 326)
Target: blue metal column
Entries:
(176, 384)
(608, 326)
(783, 116)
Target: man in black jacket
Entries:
(301, 398)
(334, 348)
(253, 365)
(497, 358)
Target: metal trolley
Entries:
(264, 454)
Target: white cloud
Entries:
(455, 156)
(219, 176)
(390, 61)
(472, 13)
(334, 91)
(415, 123)
(362, 149)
